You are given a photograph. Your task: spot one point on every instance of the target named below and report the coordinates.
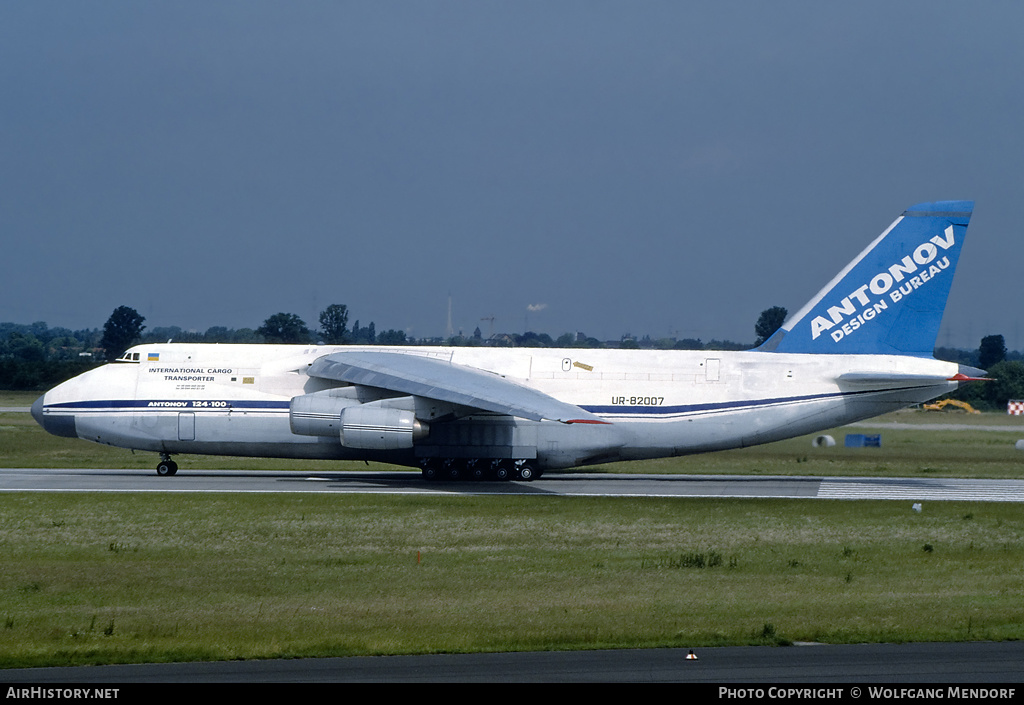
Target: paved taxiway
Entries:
(552, 484)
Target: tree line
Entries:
(125, 327)
(35, 356)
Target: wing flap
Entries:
(446, 381)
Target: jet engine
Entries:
(387, 424)
(376, 428)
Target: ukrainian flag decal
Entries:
(153, 357)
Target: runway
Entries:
(834, 666)
(552, 484)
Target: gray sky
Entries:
(662, 168)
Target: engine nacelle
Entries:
(377, 428)
(383, 424)
(319, 414)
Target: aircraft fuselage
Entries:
(237, 400)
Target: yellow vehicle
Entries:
(941, 405)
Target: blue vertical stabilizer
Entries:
(890, 299)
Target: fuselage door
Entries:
(186, 426)
(712, 369)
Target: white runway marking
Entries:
(939, 489)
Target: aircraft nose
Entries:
(58, 425)
(37, 410)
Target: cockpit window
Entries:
(129, 357)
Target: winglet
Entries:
(890, 299)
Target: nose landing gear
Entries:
(166, 466)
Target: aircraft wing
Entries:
(446, 381)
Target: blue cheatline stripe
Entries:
(666, 411)
(167, 405)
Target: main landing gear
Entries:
(479, 469)
(167, 466)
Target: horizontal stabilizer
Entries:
(964, 374)
(875, 379)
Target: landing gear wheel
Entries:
(452, 470)
(475, 469)
(501, 471)
(166, 468)
(430, 471)
(526, 471)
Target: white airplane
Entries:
(861, 347)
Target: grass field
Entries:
(93, 578)
(114, 578)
